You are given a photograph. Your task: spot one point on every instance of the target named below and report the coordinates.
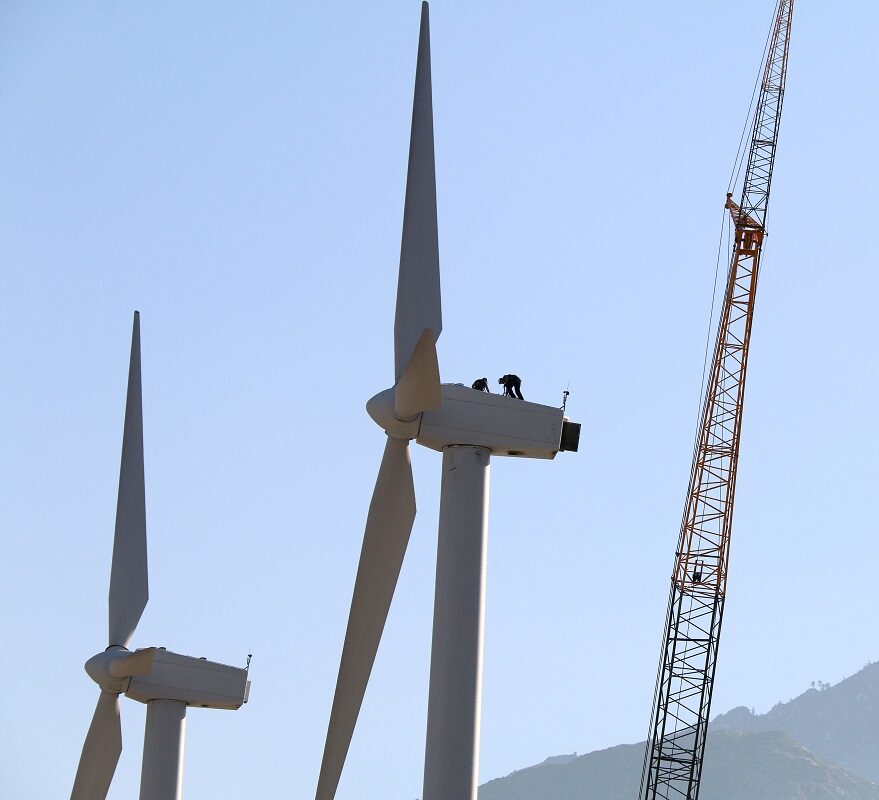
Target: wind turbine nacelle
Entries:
(194, 681)
(504, 425)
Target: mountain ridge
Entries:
(821, 745)
(838, 723)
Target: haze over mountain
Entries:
(822, 744)
(838, 723)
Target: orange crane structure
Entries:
(682, 702)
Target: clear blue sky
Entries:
(236, 172)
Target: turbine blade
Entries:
(418, 284)
(129, 589)
(388, 525)
(140, 662)
(100, 753)
(419, 387)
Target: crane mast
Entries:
(682, 703)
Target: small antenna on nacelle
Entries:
(565, 394)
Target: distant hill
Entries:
(822, 745)
(738, 766)
(838, 723)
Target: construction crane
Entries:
(682, 702)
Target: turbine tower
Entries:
(167, 682)
(468, 427)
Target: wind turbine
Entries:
(167, 682)
(468, 427)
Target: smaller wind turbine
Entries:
(167, 682)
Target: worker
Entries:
(481, 385)
(697, 573)
(512, 386)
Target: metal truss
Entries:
(682, 702)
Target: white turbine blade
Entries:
(100, 753)
(418, 284)
(388, 525)
(140, 662)
(128, 576)
(419, 387)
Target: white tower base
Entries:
(161, 776)
(451, 763)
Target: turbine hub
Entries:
(381, 409)
(98, 669)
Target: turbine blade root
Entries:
(419, 387)
(139, 662)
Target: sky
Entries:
(236, 172)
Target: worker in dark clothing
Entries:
(512, 386)
(481, 385)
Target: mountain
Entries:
(738, 766)
(822, 745)
(838, 723)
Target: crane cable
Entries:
(725, 224)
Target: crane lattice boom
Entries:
(676, 743)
